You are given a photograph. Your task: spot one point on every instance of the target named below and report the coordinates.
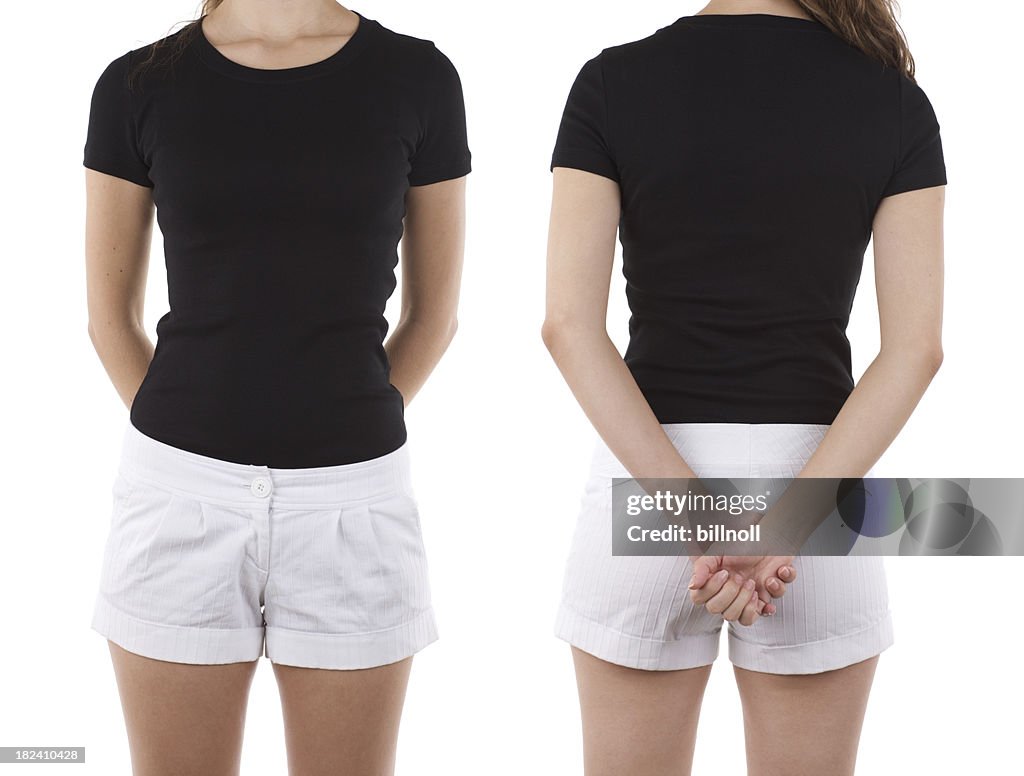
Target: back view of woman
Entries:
(745, 156)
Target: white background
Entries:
(500, 449)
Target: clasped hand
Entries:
(739, 587)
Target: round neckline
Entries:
(755, 20)
(213, 57)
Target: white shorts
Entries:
(636, 611)
(209, 561)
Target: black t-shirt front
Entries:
(751, 152)
(280, 195)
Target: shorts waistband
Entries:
(211, 479)
(727, 443)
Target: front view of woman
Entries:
(745, 155)
(263, 501)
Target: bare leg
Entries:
(806, 724)
(643, 723)
(182, 719)
(342, 722)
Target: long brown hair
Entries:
(162, 53)
(870, 25)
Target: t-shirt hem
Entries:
(112, 169)
(914, 185)
(394, 440)
(818, 417)
(752, 420)
(442, 174)
(585, 161)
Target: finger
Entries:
(735, 609)
(702, 572)
(787, 574)
(769, 610)
(701, 595)
(776, 589)
(752, 610)
(720, 601)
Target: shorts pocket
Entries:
(386, 579)
(121, 492)
(173, 560)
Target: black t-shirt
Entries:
(751, 152)
(280, 195)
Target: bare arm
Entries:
(118, 230)
(909, 279)
(581, 248)
(432, 254)
(585, 211)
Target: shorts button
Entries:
(260, 487)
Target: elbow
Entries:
(560, 334)
(113, 329)
(434, 327)
(94, 334)
(927, 355)
(440, 329)
(551, 334)
(450, 330)
(933, 358)
(922, 359)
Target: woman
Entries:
(746, 155)
(263, 502)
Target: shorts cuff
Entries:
(346, 651)
(816, 656)
(176, 643)
(633, 651)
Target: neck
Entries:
(282, 19)
(774, 7)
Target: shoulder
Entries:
(145, 63)
(664, 41)
(411, 57)
(909, 88)
(626, 60)
(641, 49)
(115, 71)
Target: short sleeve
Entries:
(442, 152)
(583, 139)
(111, 144)
(920, 163)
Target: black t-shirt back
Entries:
(280, 195)
(751, 152)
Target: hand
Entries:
(730, 595)
(770, 575)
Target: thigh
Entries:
(804, 724)
(639, 722)
(182, 719)
(342, 721)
